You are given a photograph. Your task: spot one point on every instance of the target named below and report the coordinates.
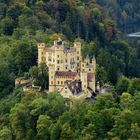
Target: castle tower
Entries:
(92, 83)
(41, 47)
(94, 64)
(59, 55)
(87, 60)
(84, 80)
(51, 78)
(77, 46)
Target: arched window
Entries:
(49, 58)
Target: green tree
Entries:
(6, 81)
(20, 121)
(135, 132)
(126, 100)
(43, 127)
(134, 86)
(5, 134)
(23, 54)
(39, 106)
(66, 132)
(101, 75)
(15, 11)
(55, 131)
(122, 84)
(105, 101)
(89, 132)
(123, 124)
(40, 75)
(7, 26)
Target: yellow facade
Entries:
(65, 64)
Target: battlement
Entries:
(41, 45)
(77, 44)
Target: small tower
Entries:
(41, 47)
(98, 86)
(84, 80)
(94, 64)
(92, 83)
(59, 55)
(78, 58)
(51, 78)
(87, 60)
(77, 46)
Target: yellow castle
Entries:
(69, 74)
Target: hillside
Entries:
(35, 116)
(125, 12)
(25, 23)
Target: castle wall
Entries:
(84, 80)
(41, 47)
(60, 82)
(66, 93)
(58, 59)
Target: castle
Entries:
(69, 74)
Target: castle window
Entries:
(66, 60)
(58, 82)
(83, 65)
(57, 61)
(77, 58)
(78, 52)
(57, 68)
(61, 82)
(89, 69)
(49, 58)
(58, 56)
(66, 68)
(61, 61)
(42, 58)
(52, 82)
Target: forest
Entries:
(97, 24)
(125, 12)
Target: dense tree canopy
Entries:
(44, 116)
(26, 22)
(126, 12)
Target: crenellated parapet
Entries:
(41, 45)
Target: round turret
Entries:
(59, 41)
(41, 45)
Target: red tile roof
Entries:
(66, 74)
(69, 74)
